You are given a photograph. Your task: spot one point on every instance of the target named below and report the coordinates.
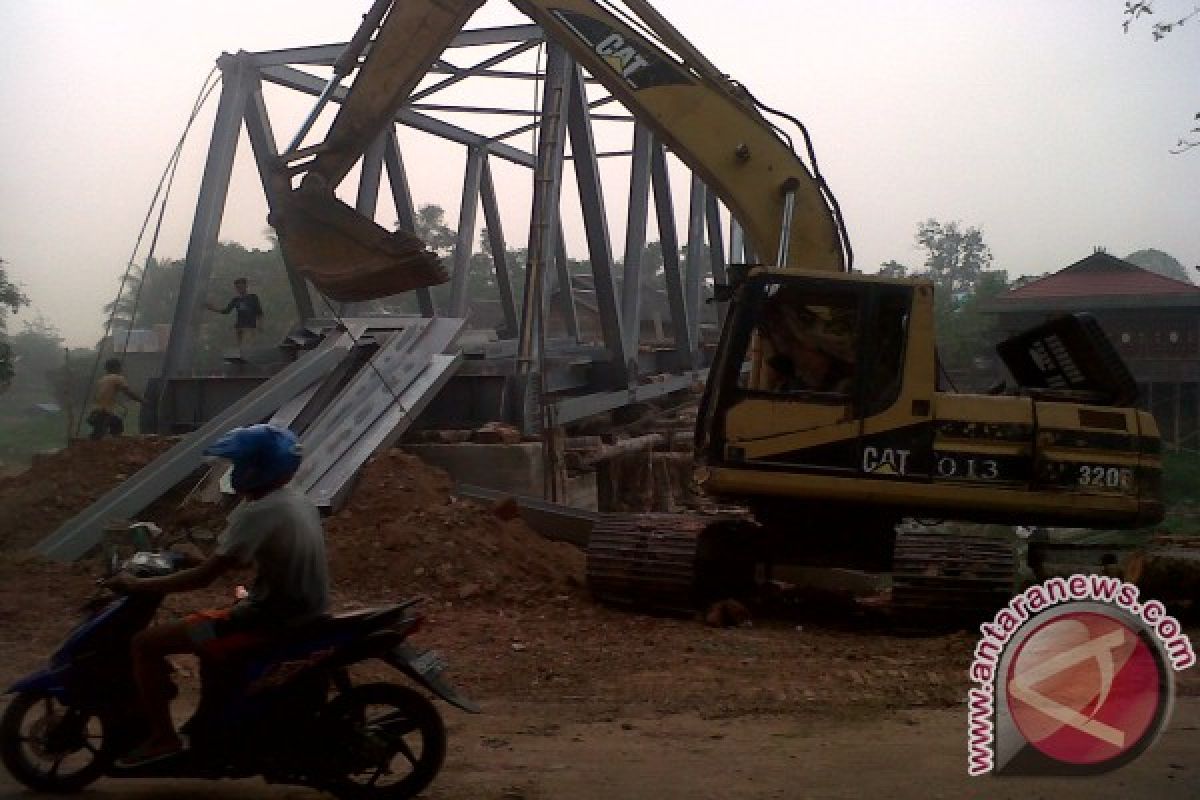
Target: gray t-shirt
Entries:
(281, 535)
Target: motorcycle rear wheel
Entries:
(52, 747)
(398, 737)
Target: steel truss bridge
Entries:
(600, 358)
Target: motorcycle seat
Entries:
(311, 627)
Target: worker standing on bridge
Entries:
(247, 312)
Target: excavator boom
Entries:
(711, 123)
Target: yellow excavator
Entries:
(839, 427)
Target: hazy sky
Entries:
(1039, 122)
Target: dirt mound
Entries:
(59, 485)
(403, 533)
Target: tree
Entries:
(893, 269)
(955, 258)
(433, 230)
(958, 262)
(1136, 10)
(151, 294)
(11, 299)
(1159, 262)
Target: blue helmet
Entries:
(263, 456)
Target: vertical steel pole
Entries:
(595, 223)
(464, 243)
(566, 287)
(635, 245)
(406, 214)
(665, 208)
(206, 224)
(547, 188)
(495, 232)
(716, 247)
(694, 265)
(262, 142)
(366, 200)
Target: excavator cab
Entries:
(840, 408)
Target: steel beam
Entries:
(262, 143)
(566, 287)
(664, 206)
(206, 225)
(464, 243)
(603, 101)
(300, 81)
(635, 246)
(716, 246)
(694, 264)
(467, 72)
(80, 534)
(737, 242)
(576, 408)
(543, 227)
(495, 232)
(367, 198)
(406, 214)
(595, 221)
(325, 54)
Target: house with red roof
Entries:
(1152, 320)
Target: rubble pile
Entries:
(59, 485)
(402, 533)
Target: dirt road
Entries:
(516, 751)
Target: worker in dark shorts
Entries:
(247, 311)
(278, 530)
(104, 419)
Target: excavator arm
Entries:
(711, 123)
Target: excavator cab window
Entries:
(828, 342)
(807, 339)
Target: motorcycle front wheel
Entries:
(52, 747)
(395, 739)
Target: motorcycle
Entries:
(281, 705)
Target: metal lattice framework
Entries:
(584, 374)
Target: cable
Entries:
(822, 184)
(162, 209)
(168, 174)
(355, 339)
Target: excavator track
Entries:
(942, 579)
(645, 561)
(671, 563)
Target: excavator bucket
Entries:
(348, 257)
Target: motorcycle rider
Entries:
(278, 529)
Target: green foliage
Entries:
(11, 299)
(23, 435)
(151, 295)
(955, 259)
(1181, 478)
(958, 262)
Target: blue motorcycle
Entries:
(281, 706)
